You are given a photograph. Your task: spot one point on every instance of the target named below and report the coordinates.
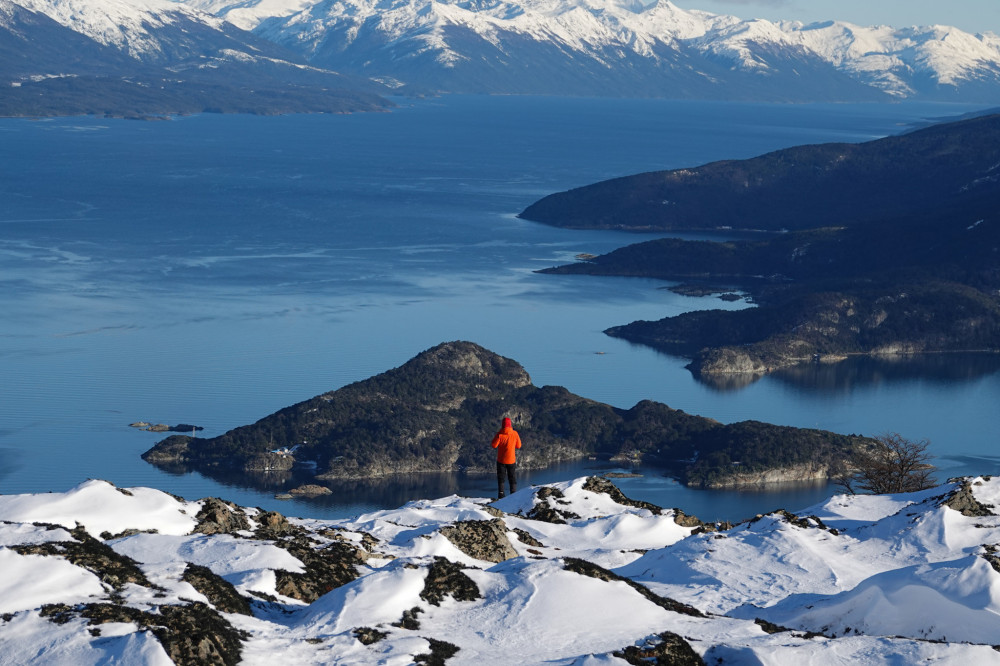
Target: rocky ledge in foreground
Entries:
(568, 573)
(439, 411)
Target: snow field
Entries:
(867, 580)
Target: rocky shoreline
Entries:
(794, 474)
(162, 427)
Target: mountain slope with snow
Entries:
(286, 55)
(621, 47)
(567, 573)
(139, 57)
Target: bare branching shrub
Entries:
(892, 464)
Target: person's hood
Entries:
(507, 423)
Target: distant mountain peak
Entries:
(139, 58)
(129, 25)
(617, 48)
(621, 47)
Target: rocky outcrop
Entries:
(219, 591)
(220, 517)
(791, 474)
(192, 635)
(729, 361)
(410, 619)
(446, 579)
(585, 568)
(273, 525)
(326, 567)
(85, 551)
(369, 635)
(482, 539)
(525, 537)
(991, 554)
(548, 507)
(667, 649)
(699, 526)
(596, 484)
(441, 652)
(685, 520)
(173, 449)
(963, 500)
(310, 490)
(162, 427)
(805, 522)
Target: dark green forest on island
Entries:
(439, 411)
(885, 247)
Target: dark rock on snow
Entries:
(219, 591)
(669, 649)
(446, 578)
(220, 517)
(481, 539)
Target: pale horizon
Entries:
(974, 16)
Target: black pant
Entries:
(508, 471)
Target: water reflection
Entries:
(646, 483)
(862, 371)
(728, 382)
(9, 462)
(952, 466)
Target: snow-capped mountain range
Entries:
(620, 47)
(571, 573)
(575, 47)
(125, 57)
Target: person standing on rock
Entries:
(506, 442)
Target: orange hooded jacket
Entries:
(506, 442)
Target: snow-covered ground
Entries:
(558, 574)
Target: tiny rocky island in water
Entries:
(438, 412)
(881, 248)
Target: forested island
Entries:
(438, 412)
(885, 247)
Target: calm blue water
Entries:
(213, 269)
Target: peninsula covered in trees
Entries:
(885, 247)
(438, 411)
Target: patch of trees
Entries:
(753, 446)
(937, 169)
(889, 464)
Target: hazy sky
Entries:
(969, 15)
